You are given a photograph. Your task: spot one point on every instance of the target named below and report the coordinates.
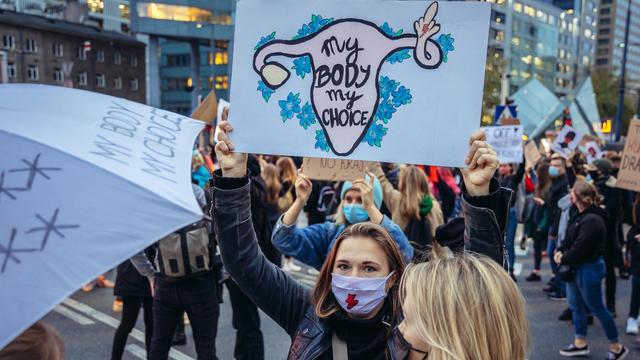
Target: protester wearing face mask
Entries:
(583, 250)
(354, 306)
(559, 188)
(360, 201)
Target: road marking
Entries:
(136, 351)
(114, 323)
(68, 313)
(517, 269)
(520, 252)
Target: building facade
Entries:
(189, 52)
(610, 46)
(47, 51)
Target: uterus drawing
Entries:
(346, 58)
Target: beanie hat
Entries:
(377, 190)
(604, 165)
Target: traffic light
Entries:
(566, 117)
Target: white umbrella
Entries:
(86, 181)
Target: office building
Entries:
(610, 40)
(36, 49)
(189, 52)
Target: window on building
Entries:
(222, 58)
(606, 21)
(182, 13)
(58, 75)
(100, 56)
(529, 11)
(133, 84)
(81, 54)
(515, 41)
(32, 72)
(517, 7)
(117, 82)
(12, 70)
(222, 82)
(221, 44)
(101, 80)
(9, 42)
(603, 41)
(117, 58)
(604, 2)
(58, 49)
(552, 20)
(605, 11)
(30, 45)
(124, 11)
(604, 31)
(133, 60)
(602, 61)
(82, 78)
(179, 60)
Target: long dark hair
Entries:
(322, 297)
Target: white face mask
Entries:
(359, 296)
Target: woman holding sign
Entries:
(360, 201)
(352, 313)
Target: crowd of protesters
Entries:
(412, 262)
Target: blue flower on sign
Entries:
(265, 39)
(385, 110)
(389, 31)
(317, 23)
(302, 66)
(321, 141)
(307, 116)
(290, 106)
(375, 134)
(446, 44)
(398, 56)
(402, 96)
(265, 90)
(387, 86)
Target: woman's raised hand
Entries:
(482, 162)
(303, 188)
(233, 164)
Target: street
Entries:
(87, 322)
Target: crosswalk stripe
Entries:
(136, 351)
(68, 313)
(114, 323)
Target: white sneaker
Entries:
(632, 326)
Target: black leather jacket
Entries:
(285, 300)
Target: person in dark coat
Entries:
(633, 254)
(135, 291)
(583, 250)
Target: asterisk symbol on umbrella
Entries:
(6, 190)
(49, 227)
(34, 169)
(10, 252)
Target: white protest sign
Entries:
(222, 103)
(367, 80)
(567, 140)
(593, 151)
(507, 142)
(86, 181)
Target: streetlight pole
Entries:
(620, 108)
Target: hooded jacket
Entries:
(285, 300)
(586, 234)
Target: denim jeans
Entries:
(510, 236)
(198, 297)
(634, 305)
(586, 291)
(246, 321)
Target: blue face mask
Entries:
(355, 213)
(553, 171)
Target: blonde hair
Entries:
(287, 170)
(270, 176)
(465, 307)
(413, 186)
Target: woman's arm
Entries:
(309, 245)
(390, 195)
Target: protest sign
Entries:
(86, 181)
(334, 169)
(506, 141)
(592, 151)
(566, 141)
(365, 80)
(629, 175)
(531, 154)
